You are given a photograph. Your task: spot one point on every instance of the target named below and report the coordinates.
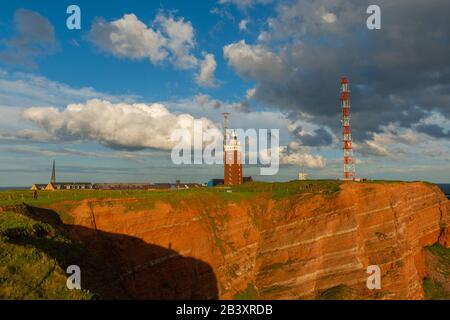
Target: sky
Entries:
(104, 99)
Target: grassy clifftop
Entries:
(29, 268)
(278, 190)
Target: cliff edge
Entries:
(293, 247)
(248, 244)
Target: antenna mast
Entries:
(349, 160)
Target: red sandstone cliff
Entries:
(292, 248)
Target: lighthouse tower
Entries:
(349, 160)
(233, 162)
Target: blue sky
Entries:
(272, 64)
(83, 66)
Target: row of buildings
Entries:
(113, 186)
(127, 186)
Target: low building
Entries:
(215, 182)
(38, 186)
(122, 186)
(160, 186)
(189, 185)
(68, 186)
(220, 182)
(132, 186)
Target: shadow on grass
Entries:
(117, 266)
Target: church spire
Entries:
(53, 178)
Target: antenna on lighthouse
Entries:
(225, 127)
(349, 160)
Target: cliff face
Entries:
(296, 247)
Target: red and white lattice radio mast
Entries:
(349, 160)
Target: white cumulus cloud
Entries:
(296, 154)
(254, 61)
(180, 40)
(128, 37)
(119, 126)
(303, 159)
(207, 68)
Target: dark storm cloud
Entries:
(34, 36)
(320, 137)
(398, 74)
(433, 130)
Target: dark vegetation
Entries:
(250, 293)
(437, 285)
(340, 292)
(33, 256)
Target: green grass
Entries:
(284, 189)
(276, 190)
(250, 293)
(9, 198)
(145, 199)
(383, 181)
(443, 255)
(399, 264)
(274, 289)
(442, 252)
(273, 267)
(434, 290)
(14, 225)
(49, 197)
(256, 213)
(28, 267)
(276, 266)
(215, 232)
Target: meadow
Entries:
(235, 193)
